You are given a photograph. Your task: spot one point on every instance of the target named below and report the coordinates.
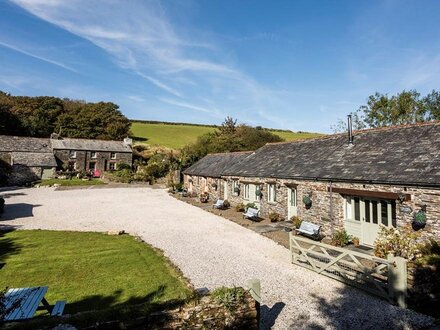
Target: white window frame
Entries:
(271, 192)
(93, 154)
(72, 153)
(349, 209)
(113, 155)
(110, 166)
(234, 185)
(246, 191)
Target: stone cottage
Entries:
(376, 176)
(28, 159)
(31, 159)
(86, 154)
(205, 175)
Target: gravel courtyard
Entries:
(211, 252)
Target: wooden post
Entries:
(398, 280)
(254, 286)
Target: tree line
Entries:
(406, 107)
(42, 115)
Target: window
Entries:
(246, 191)
(112, 166)
(369, 210)
(271, 192)
(113, 155)
(234, 185)
(72, 153)
(93, 154)
(92, 166)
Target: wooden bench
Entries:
(58, 309)
(251, 214)
(309, 229)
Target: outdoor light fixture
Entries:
(402, 197)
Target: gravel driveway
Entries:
(211, 252)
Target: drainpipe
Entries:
(331, 207)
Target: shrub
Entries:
(251, 205)
(274, 217)
(400, 243)
(226, 203)
(340, 238)
(240, 207)
(296, 221)
(430, 253)
(122, 166)
(123, 176)
(230, 298)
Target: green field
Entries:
(92, 271)
(177, 136)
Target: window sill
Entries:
(272, 203)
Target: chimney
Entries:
(350, 131)
(128, 141)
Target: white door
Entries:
(292, 206)
(253, 198)
(225, 190)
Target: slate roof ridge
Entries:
(230, 152)
(361, 131)
(85, 139)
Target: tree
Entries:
(406, 107)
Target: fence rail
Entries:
(382, 277)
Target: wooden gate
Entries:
(382, 277)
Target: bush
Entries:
(123, 176)
(400, 243)
(226, 204)
(240, 207)
(251, 205)
(340, 238)
(430, 253)
(296, 221)
(274, 217)
(230, 298)
(123, 166)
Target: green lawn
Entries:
(177, 136)
(72, 182)
(171, 136)
(92, 271)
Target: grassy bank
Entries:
(72, 182)
(176, 136)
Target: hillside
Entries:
(177, 135)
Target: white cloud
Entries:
(41, 58)
(140, 37)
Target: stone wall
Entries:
(21, 175)
(199, 184)
(83, 159)
(319, 212)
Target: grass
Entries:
(92, 271)
(176, 136)
(72, 182)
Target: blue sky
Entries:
(296, 65)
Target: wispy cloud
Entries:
(160, 84)
(41, 58)
(141, 38)
(185, 105)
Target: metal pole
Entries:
(331, 207)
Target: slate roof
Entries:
(396, 155)
(92, 145)
(38, 159)
(213, 165)
(20, 143)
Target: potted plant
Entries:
(240, 207)
(214, 185)
(236, 190)
(258, 192)
(419, 220)
(204, 197)
(226, 204)
(296, 221)
(274, 217)
(355, 241)
(307, 201)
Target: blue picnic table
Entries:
(24, 302)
